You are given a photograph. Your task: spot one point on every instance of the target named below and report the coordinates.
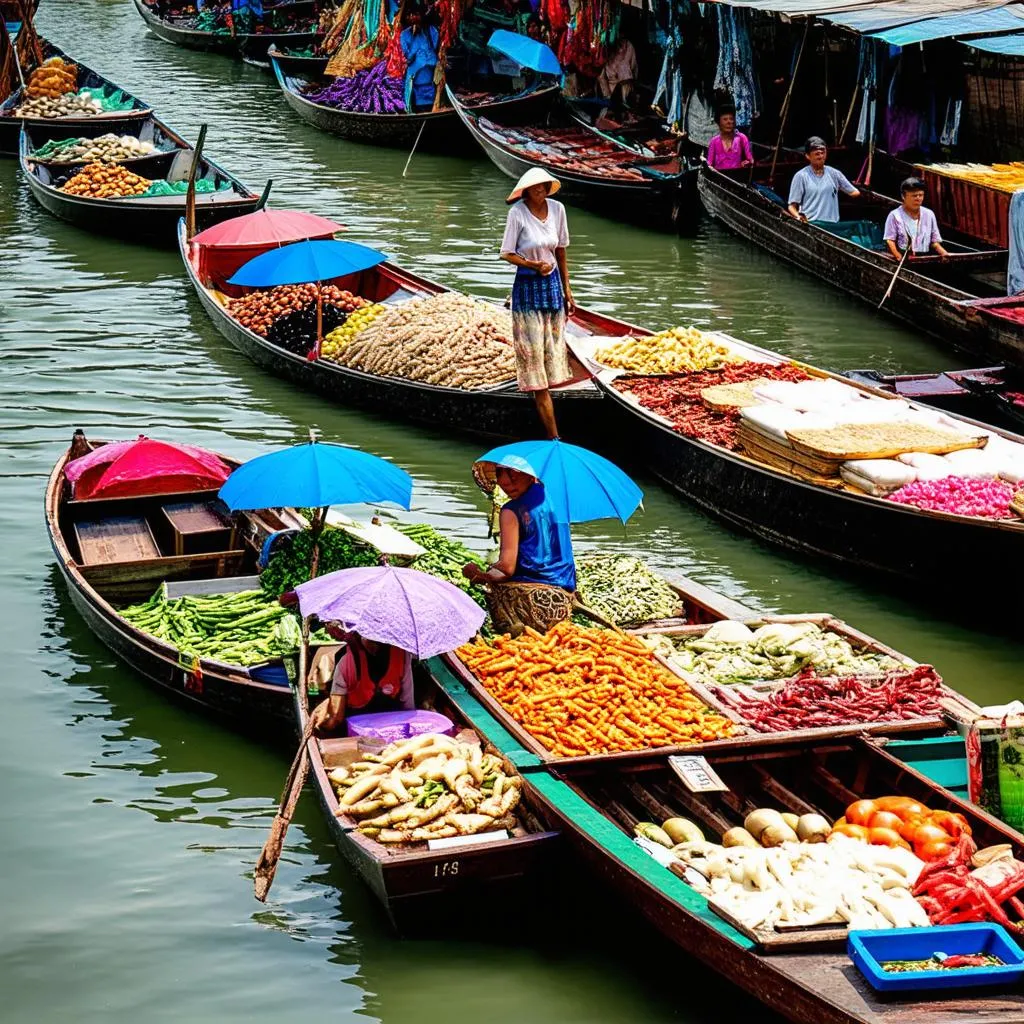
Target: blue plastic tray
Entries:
(869, 949)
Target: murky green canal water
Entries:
(129, 826)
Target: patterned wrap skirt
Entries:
(538, 330)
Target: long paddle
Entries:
(888, 291)
(423, 124)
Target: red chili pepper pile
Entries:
(809, 701)
(678, 398)
(953, 894)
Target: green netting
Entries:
(114, 100)
(53, 147)
(179, 188)
(861, 232)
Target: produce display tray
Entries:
(931, 441)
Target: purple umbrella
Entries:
(406, 608)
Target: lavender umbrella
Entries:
(406, 608)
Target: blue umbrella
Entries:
(306, 263)
(582, 486)
(315, 475)
(525, 51)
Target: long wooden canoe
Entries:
(949, 300)
(595, 807)
(252, 46)
(417, 885)
(147, 219)
(503, 411)
(627, 185)
(123, 122)
(437, 130)
(257, 699)
(839, 523)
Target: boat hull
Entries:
(926, 305)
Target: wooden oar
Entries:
(888, 291)
(190, 195)
(423, 124)
(270, 855)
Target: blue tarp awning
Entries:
(891, 26)
(1009, 46)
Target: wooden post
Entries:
(190, 196)
(784, 113)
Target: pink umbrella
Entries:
(267, 227)
(124, 469)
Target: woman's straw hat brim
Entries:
(534, 176)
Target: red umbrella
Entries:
(125, 469)
(267, 227)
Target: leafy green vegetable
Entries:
(624, 589)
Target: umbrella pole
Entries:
(319, 317)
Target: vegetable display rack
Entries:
(954, 704)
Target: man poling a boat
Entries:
(533, 579)
(535, 240)
(814, 191)
(912, 225)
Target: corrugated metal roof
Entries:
(1010, 46)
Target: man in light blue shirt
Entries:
(814, 192)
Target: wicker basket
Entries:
(514, 606)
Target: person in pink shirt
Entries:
(729, 149)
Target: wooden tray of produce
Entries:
(879, 441)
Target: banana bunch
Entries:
(678, 350)
(355, 323)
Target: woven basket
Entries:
(514, 606)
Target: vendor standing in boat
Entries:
(535, 573)
(536, 236)
(419, 47)
(729, 149)
(617, 79)
(814, 192)
(912, 225)
(368, 677)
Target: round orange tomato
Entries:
(955, 824)
(853, 831)
(905, 806)
(885, 819)
(886, 837)
(860, 812)
(935, 850)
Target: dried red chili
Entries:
(677, 398)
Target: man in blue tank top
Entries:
(535, 546)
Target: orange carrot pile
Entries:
(587, 691)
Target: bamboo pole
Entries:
(784, 113)
(190, 196)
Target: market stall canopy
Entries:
(894, 12)
(1007, 46)
(525, 51)
(888, 22)
(405, 608)
(306, 262)
(125, 469)
(315, 475)
(268, 227)
(581, 485)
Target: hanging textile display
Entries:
(735, 72)
(867, 75)
(449, 14)
(359, 38)
(593, 29)
(669, 93)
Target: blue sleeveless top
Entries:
(545, 545)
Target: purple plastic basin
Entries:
(399, 725)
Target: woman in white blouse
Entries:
(536, 236)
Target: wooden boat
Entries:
(123, 122)
(994, 394)
(960, 301)
(135, 553)
(502, 412)
(597, 172)
(787, 506)
(151, 218)
(440, 128)
(804, 976)
(294, 65)
(252, 45)
(415, 884)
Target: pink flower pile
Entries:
(957, 494)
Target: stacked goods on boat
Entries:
(787, 676)
(447, 340)
(568, 149)
(426, 788)
(231, 20)
(904, 865)
(286, 315)
(583, 691)
(624, 589)
(51, 92)
(106, 181)
(370, 91)
(109, 148)
(245, 628)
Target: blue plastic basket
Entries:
(870, 949)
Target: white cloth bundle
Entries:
(877, 476)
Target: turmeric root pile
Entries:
(52, 79)
(427, 787)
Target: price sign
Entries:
(696, 774)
